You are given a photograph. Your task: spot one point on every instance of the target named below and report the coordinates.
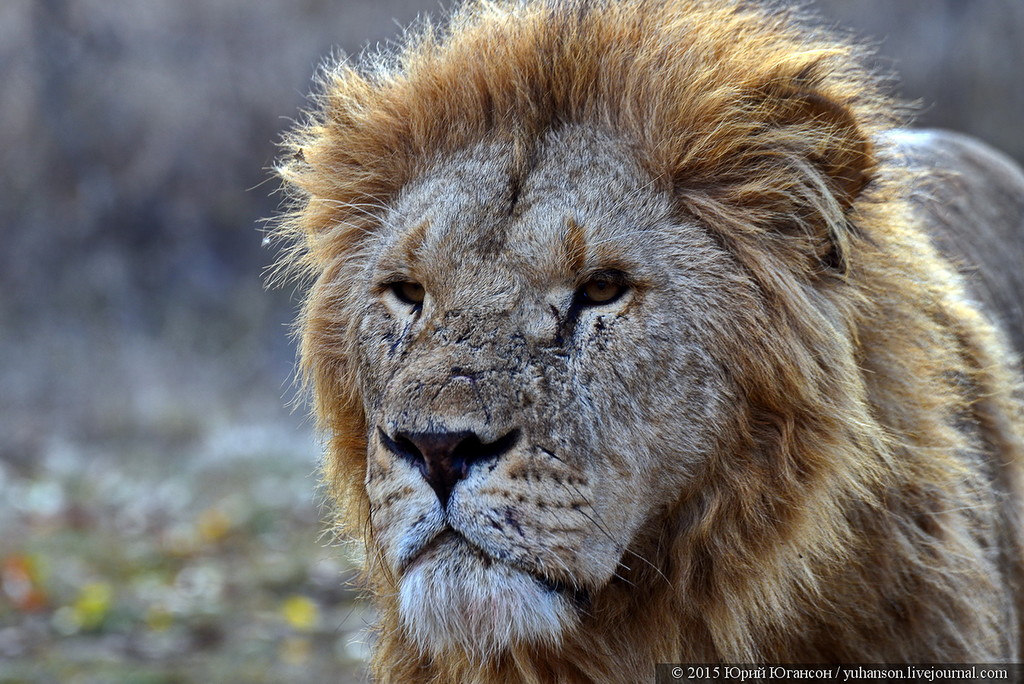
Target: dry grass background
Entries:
(158, 514)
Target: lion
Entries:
(641, 331)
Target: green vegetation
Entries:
(205, 568)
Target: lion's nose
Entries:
(445, 458)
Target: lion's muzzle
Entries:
(445, 458)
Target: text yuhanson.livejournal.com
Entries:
(840, 673)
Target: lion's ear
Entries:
(825, 131)
(817, 143)
(844, 154)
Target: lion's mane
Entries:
(866, 505)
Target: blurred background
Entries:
(159, 514)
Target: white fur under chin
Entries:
(450, 599)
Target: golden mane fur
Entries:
(864, 504)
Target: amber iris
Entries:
(409, 292)
(601, 290)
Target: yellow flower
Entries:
(301, 613)
(213, 525)
(93, 604)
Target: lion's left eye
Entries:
(601, 289)
(408, 292)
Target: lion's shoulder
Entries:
(970, 197)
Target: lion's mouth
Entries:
(576, 595)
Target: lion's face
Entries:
(539, 376)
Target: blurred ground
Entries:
(158, 507)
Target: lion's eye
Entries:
(408, 292)
(602, 289)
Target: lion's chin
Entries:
(454, 598)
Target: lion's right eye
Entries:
(408, 292)
(603, 288)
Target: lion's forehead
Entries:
(495, 205)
